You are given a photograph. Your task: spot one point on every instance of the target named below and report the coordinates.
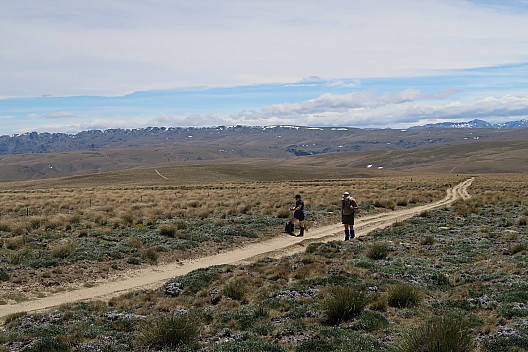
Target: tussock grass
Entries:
(448, 333)
(469, 271)
(427, 241)
(404, 295)
(378, 251)
(343, 304)
(172, 331)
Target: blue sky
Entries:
(67, 66)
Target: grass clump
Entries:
(49, 344)
(449, 333)
(236, 290)
(372, 321)
(252, 344)
(63, 250)
(427, 241)
(151, 255)
(343, 304)
(378, 251)
(167, 231)
(517, 248)
(173, 331)
(4, 275)
(403, 296)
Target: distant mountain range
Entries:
(476, 124)
(257, 141)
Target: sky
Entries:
(68, 66)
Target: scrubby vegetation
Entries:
(464, 290)
(49, 237)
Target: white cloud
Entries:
(54, 115)
(402, 109)
(110, 47)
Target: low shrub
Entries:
(341, 340)
(134, 260)
(403, 296)
(252, 344)
(168, 331)
(450, 333)
(517, 248)
(372, 321)
(4, 275)
(313, 247)
(150, 255)
(343, 304)
(167, 231)
(196, 279)
(427, 241)
(16, 242)
(48, 344)
(235, 290)
(378, 251)
(385, 203)
(522, 221)
(5, 227)
(513, 343)
(283, 214)
(63, 250)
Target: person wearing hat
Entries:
(298, 214)
(348, 209)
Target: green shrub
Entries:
(372, 321)
(4, 275)
(196, 279)
(343, 304)
(312, 247)
(377, 251)
(48, 344)
(167, 231)
(340, 340)
(450, 333)
(134, 260)
(514, 343)
(168, 331)
(235, 290)
(315, 344)
(427, 241)
(403, 296)
(250, 345)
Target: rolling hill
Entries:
(280, 152)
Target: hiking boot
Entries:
(302, 232)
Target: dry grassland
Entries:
(57, 237)
(450, 279)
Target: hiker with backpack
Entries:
(348, 207)
(298, 215)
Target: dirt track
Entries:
(279, 246)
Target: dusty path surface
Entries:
(283, 245)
